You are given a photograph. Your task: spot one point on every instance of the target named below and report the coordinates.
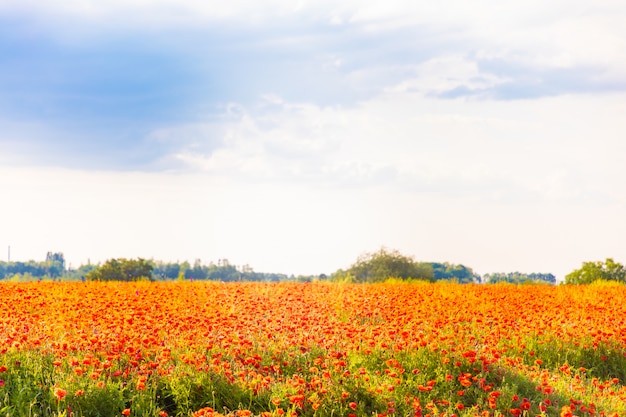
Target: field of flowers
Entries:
(253, 349)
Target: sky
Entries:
(295, 136)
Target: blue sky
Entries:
(293, 136)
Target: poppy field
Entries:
(322, 349)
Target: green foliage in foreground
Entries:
(377, 381)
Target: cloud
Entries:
(143, 85)
(449, 77)
(516, 152)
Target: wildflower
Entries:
(126, 412)
(78, 393)
(353, 405)
(59, 393)
(206, 411)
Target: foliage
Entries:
(222, 271)
(593, 271)
(383, 264)
(121, 270)
(55, 264)
(458, 273)
(81, 272)
(52, 267)
(519, 278)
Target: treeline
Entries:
(384, 264)
(519, 278)
(140, 269)
(370, 267)
(121, 269)
(223, 270)
(53, 267)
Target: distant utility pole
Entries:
(9, 253)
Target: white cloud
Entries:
(563, 149)
(446, 73)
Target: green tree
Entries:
(459, 273)
(594, 271)
(55, 264)
(223, 271)
(384, 264)
(122, 270)
(83, 270)
(198, 271)
(519, 278)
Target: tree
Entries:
(459, 273)
(519, 278)
(198, 271)
(384, 264)
(223, 271)
(594, 271)
(55, 264)
(122, 270)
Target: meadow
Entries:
(322, 349)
